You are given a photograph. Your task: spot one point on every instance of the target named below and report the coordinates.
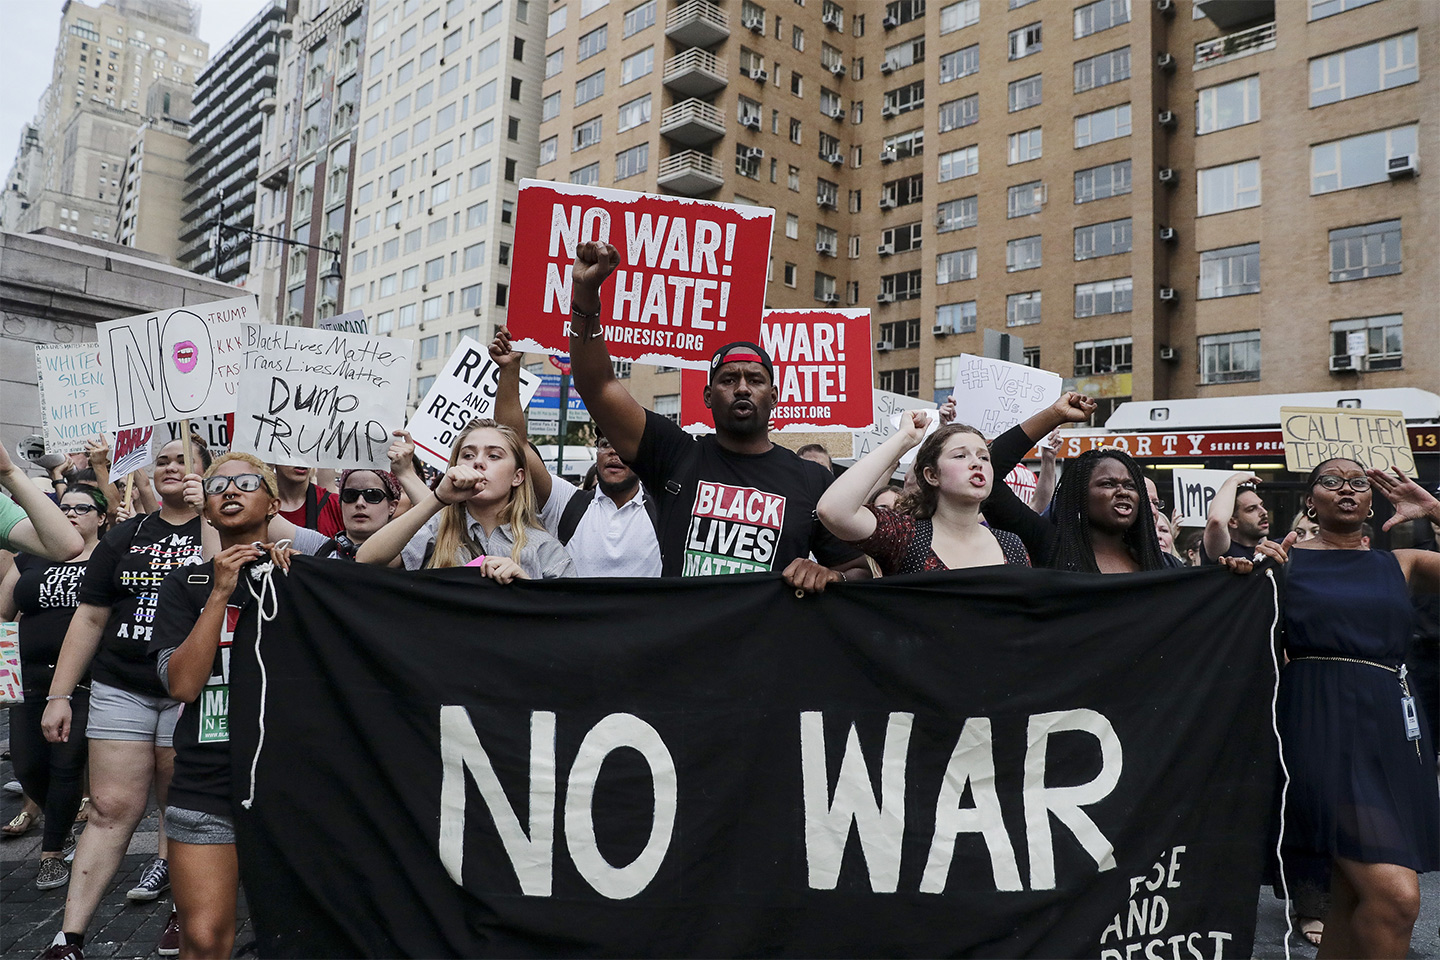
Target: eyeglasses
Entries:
(1331, 482)
(244, 482)
(371, 495)
(79, 509)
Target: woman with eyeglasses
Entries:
(131, 721)
(44, 593)
(367, 502)
(1362, 791)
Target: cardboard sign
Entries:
(1375, 438)
(1023, 481)
(691, 276)
(886, 408)
(130, 451)
(464, 390)
(175, 363)
(1194, 489)
(822, 373)
(995, 395)
(215, 430)
(319, 398)
(12, 683)
(351, 321)
(72, 395)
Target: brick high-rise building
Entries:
(1163, 198)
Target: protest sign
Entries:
(351, 321)
(720, 771)
(1023, 481)
(886, 408)
(71, 379)
(319, 398)
(1375, 438)
(131, 451)
(175, 363)
(1194, 489)
(216, 430)
(995, 395)
(464, 390)
(691, 276)
(823, 374)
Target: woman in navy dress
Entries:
(1362, 790)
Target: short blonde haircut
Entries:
(261, 467)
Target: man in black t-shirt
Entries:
(732, 501)
(1236, 522)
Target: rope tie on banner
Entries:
(1280, 749)
(265, 573)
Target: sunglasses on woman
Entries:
(1331, 482)
(244, 482)
(371, 495)
(79, 509)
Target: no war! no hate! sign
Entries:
(823, 373)
(691, 275)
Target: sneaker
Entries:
(153, 882)
(63, 951)
(68, 851)
(169, 945)
(54, 872)
(13, 788)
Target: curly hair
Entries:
(1073, 547)
(923, 503)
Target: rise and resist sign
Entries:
(691, 276)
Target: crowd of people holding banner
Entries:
(127, 617)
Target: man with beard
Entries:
(1237, 520)
(732, 501)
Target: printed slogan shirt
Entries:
(46, 594)
(125, 573)
(724, 512)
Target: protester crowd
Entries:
(128, 605)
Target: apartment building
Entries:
(448, 127)
(224, 160)
(152, 183)
(1096, 180)
(69, 163)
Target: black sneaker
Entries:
(153, 882)
(169, 945)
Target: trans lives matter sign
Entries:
(995, 395)
(320, 398)
(463, 391)
(720, 770)
(822, 373)
(691, 274)
(175, 363)
(72, 395)
(1376, 438)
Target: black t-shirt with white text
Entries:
(124, 574)
(724, 512)
(46, 595)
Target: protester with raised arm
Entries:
(732, 501)
(31, 522)
(1237, 520)
(937, 529)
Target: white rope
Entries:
(1280, 748)
(265, 573)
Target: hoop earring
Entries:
(1310, 512)
(1371, 514)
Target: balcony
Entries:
(697, 23)
(690, 173)
(695, 73)
(692, 122)
(1230, 14)
(1235, 45)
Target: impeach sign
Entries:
(1374, 438)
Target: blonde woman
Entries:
(482, 513)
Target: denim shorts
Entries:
(117, 714)
(193, 826)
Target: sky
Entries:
(27, 50)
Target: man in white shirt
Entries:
(609, 531)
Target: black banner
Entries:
(998, 762)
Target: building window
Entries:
(795, 130)
(1093, 357)
(591, 43)
(1384, 341)
(550, 107)
(901, 334)
(668, 406)
(638, 18)
(621, 368)
(911, 143)
(637, 65)
(1025, 199)
(1366, 69)
(905, 381)
(1025, 146)
(1111, 123)
(1103, 239)
(634, 113)
(906, 54)
(549, 149)
(1227, 105)
(586, 176)
(474, 256)
(957, 16)
(1328, 8)
(472, 297)
(1022, 309)
(1369, 250)
(1230, 357)
(1102, 69)
(905, 190)
(1025, 41)
(1230, 271)
(955, 164)
(960, 63)
(554, 62)
(901, 286)
(1107, 180)
(1101, 15)
(590, 87)
(630, 162)
(790, 274)
(906, 98)
(903, 238)
(1103, 297)
(1025, 93)
(1231, 187)
(957, 317)
(1022, 254)
(1359, 161)
(959, 113)
(954, 266)
(585, 134)
(957, 214)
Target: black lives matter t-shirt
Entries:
(124, 574)
(202, 736)
(723, 512)
(46, 594)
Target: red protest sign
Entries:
(691, 276)
(822, 373)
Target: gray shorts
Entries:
(117, 714)
(192, 826)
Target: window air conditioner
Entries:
(760, 75)
(822, 247)
(1168, 175)
(887, 203)
(831, 300)
(884, 346)
(887, 67)
(1167, 294)
(1167, 234)
(753, 153)
(836, 160)
(1402, 166)
(888, 156)
(884, 297)
(1166, 62)
(755, 24)
(1343, 364)
(939, 330)
(885, 249)
(838, 69)
(889, 111)
(1168, 353)
(836, 112)
(831, 20)
(1166, 118)
(890, 23)
(1164, 6)
(751, 123)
